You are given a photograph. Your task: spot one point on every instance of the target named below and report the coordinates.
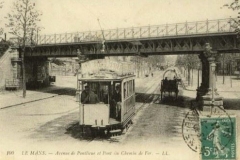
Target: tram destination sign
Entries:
(95, 66)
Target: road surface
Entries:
(48, 125)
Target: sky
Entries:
(66, 16)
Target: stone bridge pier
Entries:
(207, 95)
(37, 72)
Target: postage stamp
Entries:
(218, 138)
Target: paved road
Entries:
(157, 127)
(45, 125)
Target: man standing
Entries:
(117, 102)
(84, 94)
(89, 97)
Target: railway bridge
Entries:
(180, 38)
(205, 38)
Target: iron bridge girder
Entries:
(191, 44)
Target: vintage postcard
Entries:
(119, 79)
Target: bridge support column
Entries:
(37, 72)
(203, 89)
(207, 95)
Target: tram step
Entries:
(99, 127)
(115, 131)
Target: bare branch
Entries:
(23, 18)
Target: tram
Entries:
(111, 112)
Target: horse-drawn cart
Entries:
(170, 85)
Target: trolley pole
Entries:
(78, 87)
(223, 69)
(198, 79)
(78, 90)
(231, 72)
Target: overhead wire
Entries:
(103, 42)
(90, 11)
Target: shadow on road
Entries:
(57, 90)
(65, 127)
(63, 91)
(85, 133)
(58, 128)
(79, 132)
(231, 104)
(181, 101)
(235, 78)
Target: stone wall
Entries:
(8, 69)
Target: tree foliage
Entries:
(232, 5)
(1, 29)
(235, 6)
(189, 61)
(1, 4)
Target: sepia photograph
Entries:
(119, 79)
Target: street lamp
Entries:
(213, 67)
(230, 71)
(79, 68)
(198, 66)
(223, 57)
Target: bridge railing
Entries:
(178, 29)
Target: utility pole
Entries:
(231, 72)
(223, 56)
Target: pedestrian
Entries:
(152, 74)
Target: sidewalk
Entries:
(225, 90)
(230, 84)
(14, 98)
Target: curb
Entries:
(30, 101)
(27, 102)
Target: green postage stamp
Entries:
(218, 138)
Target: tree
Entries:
(1, 29)
(189, 62)
(22, 21)
(1, 4)
(235, 23)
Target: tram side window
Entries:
(127, 83)
(125, 90)
(130, 87)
